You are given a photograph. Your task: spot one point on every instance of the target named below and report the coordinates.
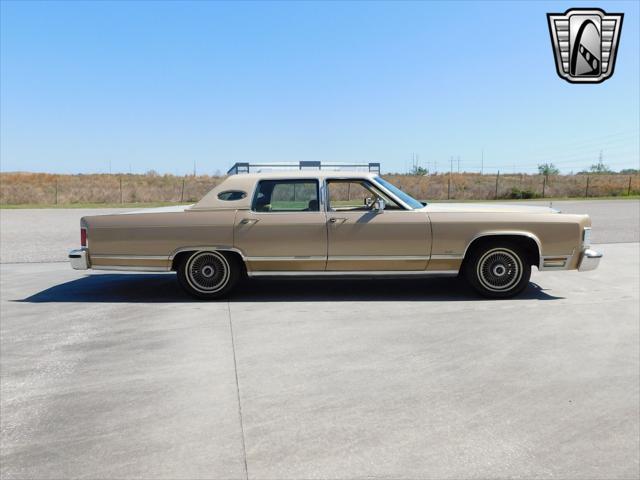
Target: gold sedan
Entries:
(324, 223)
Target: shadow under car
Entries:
(164, 288)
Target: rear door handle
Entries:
(337, 220)
(249, 221)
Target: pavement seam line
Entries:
(235, 370)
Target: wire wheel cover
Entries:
(207, 272)
(499, 269)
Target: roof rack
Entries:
(248, 167)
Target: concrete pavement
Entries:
(110, 375)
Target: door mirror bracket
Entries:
(379, 205)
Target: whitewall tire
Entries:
(209, 275)
(498, 269)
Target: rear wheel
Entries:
(498, 270)
(209, 275)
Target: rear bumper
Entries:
(589, 260)
(79, 259)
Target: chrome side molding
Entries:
(355, 273)
(126, 268)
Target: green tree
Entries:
(416, 170)
(547, 169)
(600, 168)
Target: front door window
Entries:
(356, 196)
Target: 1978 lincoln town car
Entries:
(325, 223)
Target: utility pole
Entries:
(600, 164)
(449, 179)
(586, 192)
(482, 163)
(458, 163)
(109, 167)
(194, 168)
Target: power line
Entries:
(597, 140)
(571, 158)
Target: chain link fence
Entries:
(50, 189)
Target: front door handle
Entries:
(337, 220)
(249, 221)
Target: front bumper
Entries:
(79, 259)
(589, 260)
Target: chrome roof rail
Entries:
(249, 167)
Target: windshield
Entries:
(408, 199)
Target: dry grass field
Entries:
(473, 186)
(50, 189)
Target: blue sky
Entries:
(146, 85)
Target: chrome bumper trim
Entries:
(589, 260)
(79, 259)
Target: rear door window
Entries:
(286, 196)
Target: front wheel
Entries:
(498, 270)
(209, 275)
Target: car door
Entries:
(286, 228)
(363, 239)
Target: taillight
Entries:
(83, 237)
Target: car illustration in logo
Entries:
(585, 43)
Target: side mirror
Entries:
(379, 205)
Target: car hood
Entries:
(487, 208)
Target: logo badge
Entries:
(585, 43)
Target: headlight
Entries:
(586, 237)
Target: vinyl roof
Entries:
(246, 182)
